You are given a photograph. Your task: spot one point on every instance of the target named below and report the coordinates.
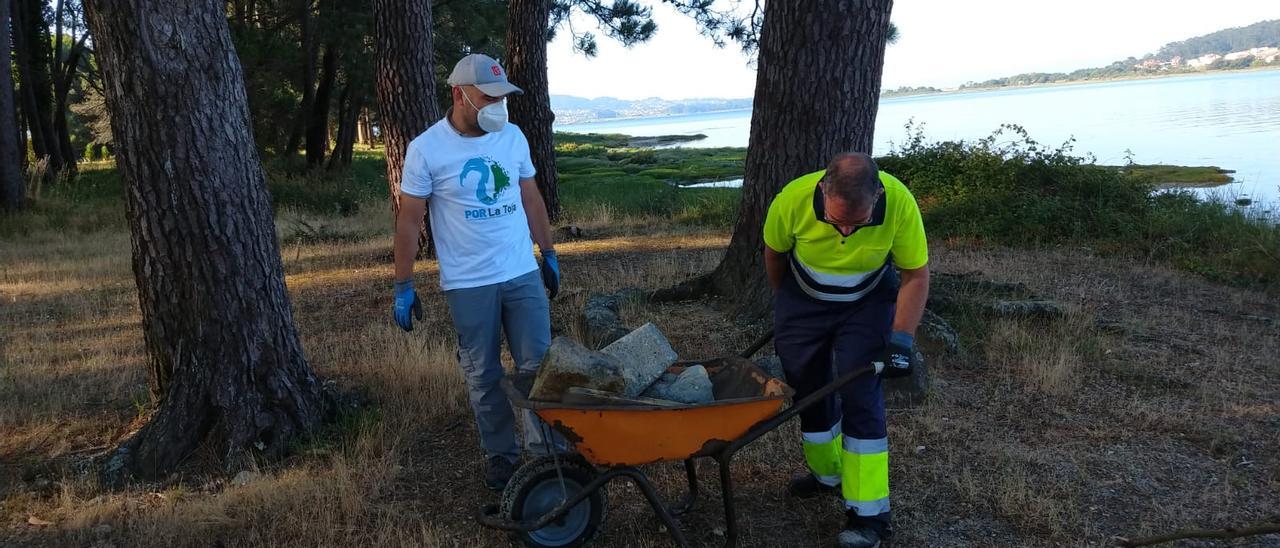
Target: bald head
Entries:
(853, 178)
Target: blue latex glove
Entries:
(897, 357)
(406, 301)
(551, 272)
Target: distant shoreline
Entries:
(642, 117)
(1276, 67)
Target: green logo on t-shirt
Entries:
(489, 171)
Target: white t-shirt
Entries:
(472, 187)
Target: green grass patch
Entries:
(95, 199)
(1166, 176)
(618, 140)
(329, 192)
(608, 171)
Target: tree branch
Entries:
(1228, 533)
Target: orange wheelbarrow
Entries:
(558, 500)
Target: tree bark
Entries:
(318, 121)
(817, 90)
(527, 26)
(404, 77)
(12, 188)
(216, 316)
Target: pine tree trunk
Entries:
(300, 123)
(12, 189)
(404, 76)
(30, 43)
(527, 25)
(241, 14)
(349, 106)
(364, 133)
(64, 78)
(23, 161)
(216, 317)
(817, 89)
(318, 122)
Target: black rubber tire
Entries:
(542, 470)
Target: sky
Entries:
(942, 43)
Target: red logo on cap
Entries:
(496, 71)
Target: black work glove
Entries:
(897, 357)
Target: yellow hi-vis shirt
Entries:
(830, 266)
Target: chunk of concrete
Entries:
(645, 354)
(936, 337)
(692, 385)
(600, 321)
(568, 364)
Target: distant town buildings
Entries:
(1265, 55)
(1204, 61)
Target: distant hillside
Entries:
(1257, 35)
(1257, 45)
(570, 109)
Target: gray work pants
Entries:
(518, 307)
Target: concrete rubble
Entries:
(636, 369)
(568, 364)
(645, 354)
(692, 385)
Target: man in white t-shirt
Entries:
(473, 170)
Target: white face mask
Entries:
(491, 118)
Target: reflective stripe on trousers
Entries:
(844, 436)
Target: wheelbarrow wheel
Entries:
(536, 489)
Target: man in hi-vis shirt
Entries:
(473, 169)
(835, 241)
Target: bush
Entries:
(1008, 189)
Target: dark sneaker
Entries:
(858, 537)
(498, 471)
(807, 487)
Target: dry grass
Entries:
(1046, 358)
(1053, 434)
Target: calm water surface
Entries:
(1230, 120)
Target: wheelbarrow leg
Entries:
(659, 507)
(691, 471)
(726, 492)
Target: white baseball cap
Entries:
(484, 72)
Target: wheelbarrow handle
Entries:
(756, 346)
(767, 425)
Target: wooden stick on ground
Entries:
(1229, 533)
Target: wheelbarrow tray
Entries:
(631, 435)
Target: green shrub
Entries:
(1008, 189)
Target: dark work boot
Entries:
(858, 537)
(498, 471)
(807, 486)
(863, 532)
